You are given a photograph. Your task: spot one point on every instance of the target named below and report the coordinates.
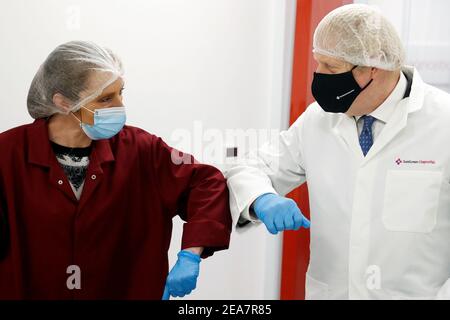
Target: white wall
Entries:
(219, 64)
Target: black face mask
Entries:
(335, 93)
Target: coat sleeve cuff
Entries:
(247, 214)
(210, 235)
(240, 206)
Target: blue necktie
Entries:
(366, 137)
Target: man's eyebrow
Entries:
(325, 61)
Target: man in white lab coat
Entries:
(375, 152)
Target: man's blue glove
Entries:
(279, 213)
(182, 278)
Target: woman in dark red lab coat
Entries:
(86, 203)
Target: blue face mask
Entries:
(107, 123)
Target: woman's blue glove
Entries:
(182, 278)
(279, 213)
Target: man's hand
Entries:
(279, 213)
(182, 278)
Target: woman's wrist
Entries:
(196, 250)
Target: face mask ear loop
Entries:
(88, 110)
(81, 115)
(367, 85)
(80, 121)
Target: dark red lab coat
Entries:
(118, 234)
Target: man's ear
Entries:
(61, 103)
(375, 72)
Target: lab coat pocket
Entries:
(411, 200)
(315, 290)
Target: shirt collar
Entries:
(386, 109)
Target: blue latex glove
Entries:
(279, 213)
(182, 278)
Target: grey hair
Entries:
(67, 71)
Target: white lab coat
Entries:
(379, 230)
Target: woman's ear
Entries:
(61, 103)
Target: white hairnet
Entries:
(360, 35)
(79, 71)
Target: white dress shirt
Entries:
(384, 112)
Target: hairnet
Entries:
(360, 35)
(79, 71)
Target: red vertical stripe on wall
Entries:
(296, 244)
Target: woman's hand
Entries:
(182, 278)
